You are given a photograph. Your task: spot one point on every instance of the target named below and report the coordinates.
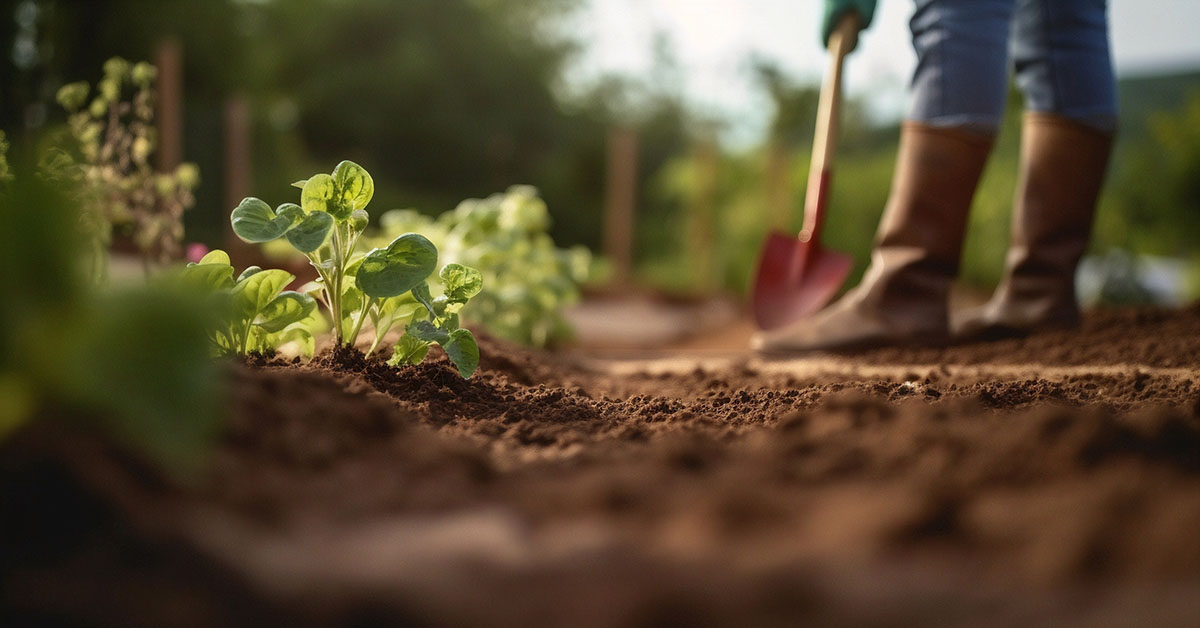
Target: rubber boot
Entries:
(1062, 168)
(903, 296)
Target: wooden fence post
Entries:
(619, 201)
(168, 58)
(702, 231)
(237, 160)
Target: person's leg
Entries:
(959, 93)
(1063, 66)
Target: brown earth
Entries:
(1053, 480)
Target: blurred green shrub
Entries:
(133, 363)
(107, 158)
(1152, 202)
(527, 280)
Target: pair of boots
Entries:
(903, 297)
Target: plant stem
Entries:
(367, 303)
(245, 343)
(334, 287)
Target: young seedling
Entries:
(325, 227)
(435, 321)
(258, 315)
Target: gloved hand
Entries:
(835, 9)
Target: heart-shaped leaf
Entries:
(317, 195)
(311, 232)
(208, 277)
(287, 308)
(463, 351)
(354, 185)
(400, 267)
(253, 293)
(253, 221)
(215, 256)
(461, 282)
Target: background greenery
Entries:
(450, 99)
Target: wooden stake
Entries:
(168, 58)
(620, 197)
(703, 228)
(237, 161)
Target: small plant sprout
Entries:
(325, 227)
(435, 321)
(257, 314)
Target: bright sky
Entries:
(713, 39)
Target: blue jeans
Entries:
(1058, 50)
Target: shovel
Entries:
(796, 275)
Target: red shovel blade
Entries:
(795, 279)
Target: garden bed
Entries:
(1052, 480)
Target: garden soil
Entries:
(1053, 480)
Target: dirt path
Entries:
(1047, 481)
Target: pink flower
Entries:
(196, 251)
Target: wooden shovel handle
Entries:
(829, 109)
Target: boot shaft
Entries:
(920, 237)
(1063, 164)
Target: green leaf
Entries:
(463, 351)
(420, 292)
(461, 282)
(354, 186)
(352, 302)
(427, 331)
(317, 194)
(401, 307)
(403, 265)
(253, 221)
(311, 232)
(215, 256)
(359, 219)
(208, 277)
(300, 183)
(287, 308)
(252, 294)
(299, 335)
(409, 350)
(250, 270)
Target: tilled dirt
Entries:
(1052, 481)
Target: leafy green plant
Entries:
(112, 139)
(325, 227)
(386, 285)
(257, 314)
(435, 321)
(527, 281)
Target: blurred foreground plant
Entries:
(113, 137)
(5, 171)
(133, 364)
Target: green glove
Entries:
(835, 9)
